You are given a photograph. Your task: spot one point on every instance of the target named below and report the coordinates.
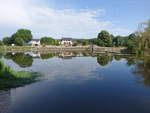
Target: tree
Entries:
(144, 36)
(7, 40)
(19, 41)
(84, 42)
(23, 34)
(117, 41)
(104, 38)
(132, 37)
(94, 41)
(1, 43)
(48, 41)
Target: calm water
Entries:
(79, 83)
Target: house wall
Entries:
(33, 43)
(66, 42)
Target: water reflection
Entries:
(141, 66)
(48, 55)
(117, 57)
(104, 59)
(142, 69)
(76, 82)
(22, 59)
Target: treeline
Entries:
(23, 37)
(108, 40)
(137, 42)
(143, 38)
(20, 38)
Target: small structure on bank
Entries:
(67, 41)
(35, 42)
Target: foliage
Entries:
(19, 41)
(139, 42)
(1, 43)
(75, 44)
(12, 79)
(21, 37)
(23, 34)
(104, 38)
(48, 41)
(93, 41)
(7, 41)
(143, 42)
(82, 42)
(85, 42)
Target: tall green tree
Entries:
(104, 38)
(145, 35)
(24, 34)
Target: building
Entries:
(67, 41)
(35, 42)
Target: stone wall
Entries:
(62, 48)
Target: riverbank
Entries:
(62, 48)
(12, 79)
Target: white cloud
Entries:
(13, 13)
(44, 21)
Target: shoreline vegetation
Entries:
(12, 79)
(136, 43)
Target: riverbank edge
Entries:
(62, 48)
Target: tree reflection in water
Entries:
(104, 60)
(141, 65)
(22, 59)
(47, 55)
(142, 69)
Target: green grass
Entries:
(12, 79)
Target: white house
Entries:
(67, 41)
(35, 42)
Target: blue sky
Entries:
(128, 13)
(72, 18)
